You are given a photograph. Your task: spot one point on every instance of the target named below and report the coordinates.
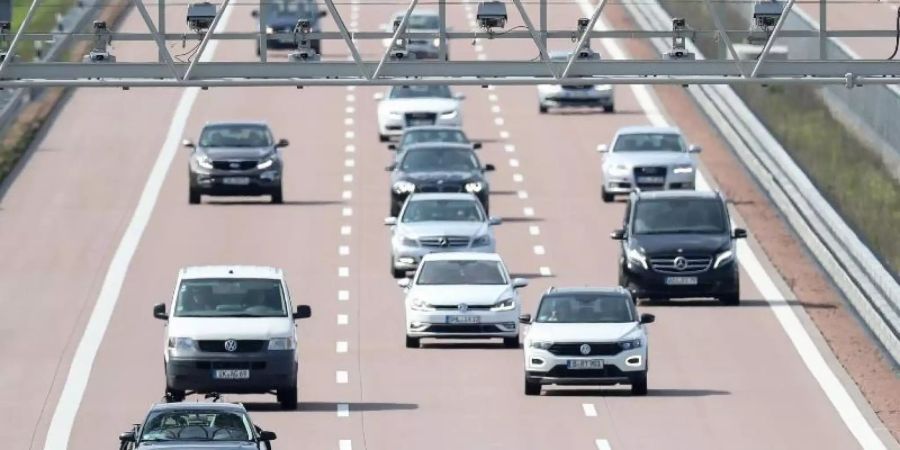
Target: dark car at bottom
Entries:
(679, 244)
(196, 426)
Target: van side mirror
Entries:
(519, 283)
(188, 143)
(127, 436)
(303, 312)
(282, 143)
(495, 221)
(647, 318)
(525, 318)
(159, 311)
(390, 221)
(739, 233)
(266, 436)
(476, 145)
(404, 282)
(602, 148)
(617, 235)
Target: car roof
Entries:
(416, 197)
(587, 290)
(642, 129)
(238, 122)
(236, 271)
(465, 256)
(678, 193)
(437, 146)
(193, 406)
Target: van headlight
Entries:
(507, 304)
(631, 344)
(683, 169)
(420, 305)
(474, 187)
(182, 344)
(723, 258)
(282, 343)
(636, 256)
(541, 345)
(618, 170)
(265, 164)
(404, 187)
(204, 161)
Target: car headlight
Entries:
(266, 164)
(635, 255)
(618, 170)
(723, 258)
(404, 187)
(420, 305)
(683, 169)
(631, 344)
(474, 187)
(408, 242)
(204, 161)
(448, 114)
(541, 345)
(507, 304)
(283, 343)
(395, 114)
(182, 344)
(436, 42)
(270, 30)
(481, 241)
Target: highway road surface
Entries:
(97, 224)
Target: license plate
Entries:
(231, 374)
(585, 364)
(681, 281)
(236, 181)
(463, 319)
(653, 180)
(417, 122)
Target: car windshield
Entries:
(197, 425)
(421, 21)
(585, 308)
(679, 215)
(442, 211)
(420, 91)
(415, 136)
(235, 136)
(649, 142)
(461, 272)
(293, 8)
(439, 160)
(233, 297)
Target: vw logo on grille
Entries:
(235, 165)
(680, 263)
(585, 349)
(231, 345)
(463, 307)
(443, 242)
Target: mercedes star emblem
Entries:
(231, 345)
(463, 307)
(444, 242)
(680, 263)
(585, 349)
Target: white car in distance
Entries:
(416, 105)
(462, 296)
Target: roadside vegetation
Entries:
(850, 175)
(44, 21)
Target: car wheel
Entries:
(287, 398)
(193, 197)
(731, 299)
(542, 109)
(413, 342)
(639, 384)
(609, 108)
(532, 387)
(607, 197)
(511, 342)
(277, 196)
(383, 138)
(174, 395)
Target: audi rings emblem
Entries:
(231, 345)
(680, 263)
(585, 349)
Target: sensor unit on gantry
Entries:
(200, 16)
(100, 51)
(679, 41)
(491, 15)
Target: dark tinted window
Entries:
(585, 308)
(235, 135)
(417, 91)
(196, 425)
(237, 297)
(443, 211)
(649, 142)
(436, 160)
(679, 215)
(461, 272)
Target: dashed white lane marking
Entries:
(504, 134)
(349, 162)
(495, 109)
(528, 211)
(545, 271)
(499, 121)
(350, 148)
(353, 24)
(345, 444)
(482, 57)
(344, 250)
(534, 230)
(343, 410)
(479, 48)
(347, 212)
(509, 148)
(522, 194)
(351, 98)
(350, 109)
(589, 409)
(341, 347)
(602, 444)
(343, 319)
(513, 162)
(348, 121)
(491, 87)
(341, 377)
(343, 272)
(345, 230)
(518, 178)
(348, 178)
(350, 134)
(539, 250)
(492, 97)
(347, 195)
(351, 88)
(343, 296)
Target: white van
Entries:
(231, 329)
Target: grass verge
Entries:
(44, 21)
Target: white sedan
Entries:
(462, 295)
(414, 105)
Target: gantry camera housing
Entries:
(200, 16)
(766, 13)
(491, 15)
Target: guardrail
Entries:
(869, 287)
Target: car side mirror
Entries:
(494, 221)
(188, 143)
(489, 168)
(459, 96)
(323, 13)
(602, 148)
(392, 146)
(127, 436)
(476, 146)
(647, 318)
(519, 283)
(617, 235)
(303, 312)
(378, 96)
(390, 168)
(525, 318)
(159, 311)
(404, 282)
(266, 436)
(390, 221)
(254, 13)
(739, 233)
(282, 143)
(694, 148)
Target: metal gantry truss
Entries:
(165, 72)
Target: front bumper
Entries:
(436, 324)
(408, 258)
(252, 182)
(644, 283)
(546, 368)
(624, 184)
(269, 370)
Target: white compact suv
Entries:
(231, 330)
(586, 336)
(462, 295)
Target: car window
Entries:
(238, 297)
(442, 211)
(420, 91)
(432, 135)
(461, 272)
(438, 160)
(235, 136)
(586, 308)
(649, 142)
(196, 425)
(296, 8)
(420, 21)
(679, 215)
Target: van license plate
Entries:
(236, 181)
(231, 374)
(585, 364)
(681, 281)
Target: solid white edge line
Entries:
(589, 409)
(76, 382)
(840, 399)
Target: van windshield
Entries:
(231, 297)
(679, 215)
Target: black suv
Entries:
(678, 244)
(281, 18)
(438, 167)
(235, 159)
